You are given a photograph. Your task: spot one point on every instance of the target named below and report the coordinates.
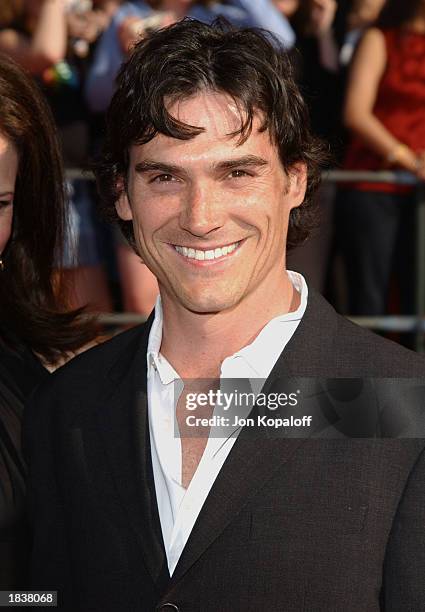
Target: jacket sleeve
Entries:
(404, 569)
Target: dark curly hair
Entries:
(179, 61)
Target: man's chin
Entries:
(208, 304)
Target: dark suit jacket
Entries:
(290, 524)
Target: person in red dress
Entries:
(385, 112)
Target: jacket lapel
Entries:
(123, 419)
(255, 459)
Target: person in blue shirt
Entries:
(111, 49)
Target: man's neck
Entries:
(196, 344)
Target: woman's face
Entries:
(8, 172)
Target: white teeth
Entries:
(202, 255)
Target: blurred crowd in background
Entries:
(366, 91)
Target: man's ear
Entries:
(297, 175)
(122, 205)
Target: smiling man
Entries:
(210, 169)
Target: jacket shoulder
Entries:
(371, 355)
(328, 344)
(102, 356)
(85, 374)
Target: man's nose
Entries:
(202, 211)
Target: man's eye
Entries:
(238, 173)
(164, 178)
(5, 203)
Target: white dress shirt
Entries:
(179, 507)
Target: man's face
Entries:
(210, 217)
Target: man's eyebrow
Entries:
(6, 193)
(246, 160)
(148, 165)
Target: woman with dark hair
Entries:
(53, 40)
(37, 332)
(385, 112)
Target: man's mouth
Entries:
(207, 254)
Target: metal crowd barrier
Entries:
(399, 324)
(402, 324)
